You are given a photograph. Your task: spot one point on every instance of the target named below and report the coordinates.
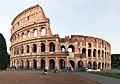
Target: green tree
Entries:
(115, 60)
(3, 53)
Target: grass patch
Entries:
(108, 74)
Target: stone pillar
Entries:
(76, 65)
(47, 46)
(56, 63)
(24, 64)
(38, 63)
(24, 49)
(101, 65)
(25, 35)
(30, 48)
(39, 32)
(47, 63)
(67, 62)
(30, 64)
(86, 53)
(31, 34)
(48, 30)
(96, 55)
(56, 47)
(38, 47)
(11, 63)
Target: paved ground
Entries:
(99, 78)
(36, 77)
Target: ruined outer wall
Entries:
(32, 49)
(99, 47)
(27, 33)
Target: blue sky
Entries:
(98, 18)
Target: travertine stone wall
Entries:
(33, 46)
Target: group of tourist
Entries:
(46, 71)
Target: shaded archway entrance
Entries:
(71, 48)
(42, 47)
(80, 64)
(27, 64)
(102, 65)
(61, 64)
(99, 65)
(83, 52)
(63, 48)
(34, 48)
(89, 65)
(34, 64)
(51, 64)
(21, 64)
(52, 47)
(72, 64)
(94, 65)
(42, 64)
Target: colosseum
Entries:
(33, 46)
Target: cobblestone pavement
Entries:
(100, 79)
(37, 77)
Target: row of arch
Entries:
(62, 64)
(95, 52)
(29, 34)
(94, 65)
(52, 48)
(22, 50)
(52, 64)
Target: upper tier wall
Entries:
(29, 16)
(96, 42)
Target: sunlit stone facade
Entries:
(33, 46)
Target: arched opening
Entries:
(99, 65)
(34, 48)
(71, 48)
(51, 64)
(72, 64)
(22, 50)
(22, 35)
(83, 51)
(21, 64)
(28, 34)
(17, 62)
(27, 64)
(102, 65)
(89, 52)
(98, 53)
(80, 64)
(15, 38)
(89, 45)
(61, 64)
(89, 65)
(42, 64)
(102, 53)
(63, 48)
(18, 36)
(27, 47)
(17, 51)
(35, 32)
(94, 65)
(52, 47)
(42, 47)
(94, 53)
(34, 64)
(43, 31)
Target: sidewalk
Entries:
(100, 79)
